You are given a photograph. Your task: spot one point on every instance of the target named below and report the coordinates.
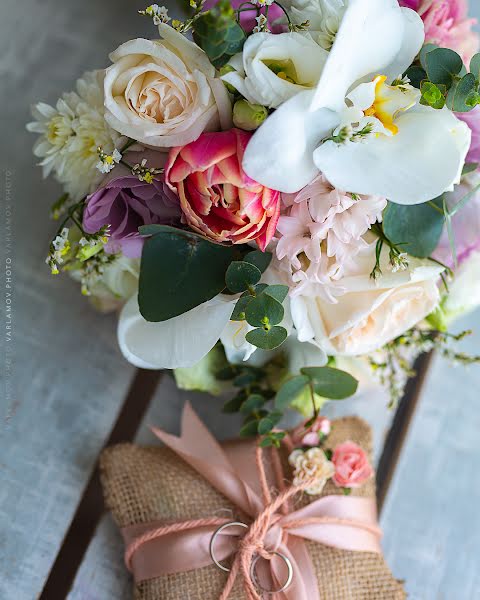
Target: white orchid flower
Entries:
(372, 139)
(179, 342)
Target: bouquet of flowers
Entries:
(282, 195)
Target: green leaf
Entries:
(173, 278)
(240, 276)
(469, 168)
(461, 94)
(265, 425)
(264, 310)
(416, 228)
(239, 310)
(423, 53)
(443, 65)
(249, 429)
(475, 66)
(217, 32)
(290, 390)
(245, 378)
(331, 383)
(416, 75)
(267, 340)
(279, 292)
(432, 95)
(260, 259)
(233, 405)
(252, 403)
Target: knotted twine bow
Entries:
(344, 522)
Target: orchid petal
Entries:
(368, 41)
(413, 38)
(279, 155)
(178, 342)
(421, 162)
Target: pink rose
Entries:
(352, 468)
(311, 436)
(447, 25)
(217, 197)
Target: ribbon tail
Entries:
(304, 585)
(197, 447)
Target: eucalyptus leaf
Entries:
(415, 228)
(264, 310)
(475, 66)
(249, 429)
(265, 425)
(426, 48)
(443, 65)
(260, 259)
(239, 310)
(252, 403)
(290, 390)
(217, 32)
(267, 340)
(241, 275)
(416, 75)
(279, 292)
(460, 94)
(331, 383)
(173, 278)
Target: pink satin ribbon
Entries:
(344, 522)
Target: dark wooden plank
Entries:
(401, 423)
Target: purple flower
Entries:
(125, 203)
(472, 119)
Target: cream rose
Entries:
(273, 68)
(368, 314)
(164, 93)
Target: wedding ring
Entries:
(288, 581)
(214, 537)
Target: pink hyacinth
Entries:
(247, 17)
(217, 197)
(447, 24)
(321, 232)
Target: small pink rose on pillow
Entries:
(218, 199)
(313, 435)
(352, 468)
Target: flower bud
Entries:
(248, 116)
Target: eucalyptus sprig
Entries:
(443, 79)
(260, 305)
(263, 407)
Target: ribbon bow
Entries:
(344, 522)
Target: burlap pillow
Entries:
(152, 484)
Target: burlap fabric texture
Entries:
(153, 483)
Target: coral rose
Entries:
(352, 468)
(217, 197)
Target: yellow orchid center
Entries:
(390, 100)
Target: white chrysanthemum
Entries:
(70, 134)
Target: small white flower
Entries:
(262, 24)
(159, 14)
(262, 3)
(107, 162)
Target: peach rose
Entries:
(352, 468)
